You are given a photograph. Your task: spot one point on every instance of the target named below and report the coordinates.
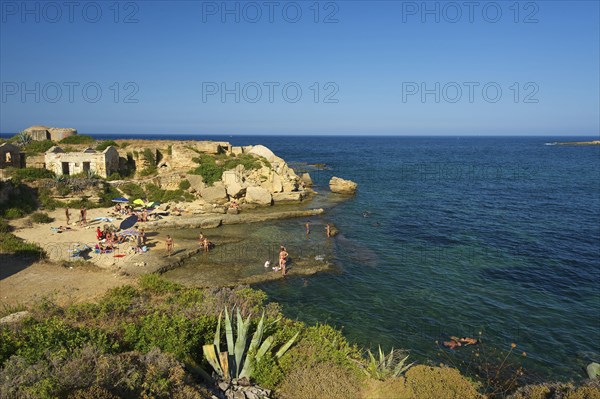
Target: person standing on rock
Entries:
(328, 230)
(307, 225)
(283, 255)
(169, 242)
(68, 215)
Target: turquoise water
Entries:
(456, 236)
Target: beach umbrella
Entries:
(139, 202)
(120, 200)
(129, 222)
(152, 204)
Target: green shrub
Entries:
(106, 194)
(210, 172)
(55, 335)
(156, 284)
(172, 333)
(38, 147)
(4, 226)
(119, 300)
(41, 217)
(149, 156)
(149, 171)
(11, 244)
(29, 174)
(133, 190)
(78, 139)
(105, 144)
(114, 176)
(248, 161)
(14, 213)
(8, 345)
(267, 372)
(184, 184)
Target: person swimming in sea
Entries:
(456, 342)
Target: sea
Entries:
(496, 238)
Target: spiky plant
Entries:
(239, 359)
(23, 138)
(392, 365)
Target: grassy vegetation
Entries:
(78, 139)
(105, 144)
(146, 341)
(31, 174)
(41, 217)
(13, 245)
(211, 168)
(21, 200)
(38, 147)
(152, 192)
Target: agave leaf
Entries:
(224, 357)
(401, 368)
(264, 347)
(211, 356)
(256, 338)
(287, 345)
(229, 335)
(240, 343)
(390, 359)
(373, 362)
(217, 341)
(381, 357)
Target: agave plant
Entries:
(387, 365)
(23, 138)
(239, 359)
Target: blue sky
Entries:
(514, 68)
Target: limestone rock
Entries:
(306, 179)
(258, 195)
(341, 186)
(273, 183)
(14, 317)
(264, 152)
(294, 196)
(196, 182)
(215, 193)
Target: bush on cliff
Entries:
(78, 139)
(105, 144)
(38, 147)
(134, 342)
(31, 174)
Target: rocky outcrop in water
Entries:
(342, 186)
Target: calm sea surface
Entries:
(459, 236)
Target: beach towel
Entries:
(103, 219)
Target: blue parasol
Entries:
(129, 222)
(120, 200)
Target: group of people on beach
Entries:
(205, 243)
(82, 216)
(128, 210)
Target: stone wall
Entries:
(10, 156)
(59, 133)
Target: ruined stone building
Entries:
(11, 156)
(71, 163)
(40, 133)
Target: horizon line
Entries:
(336, 134)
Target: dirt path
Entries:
(52, 280)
